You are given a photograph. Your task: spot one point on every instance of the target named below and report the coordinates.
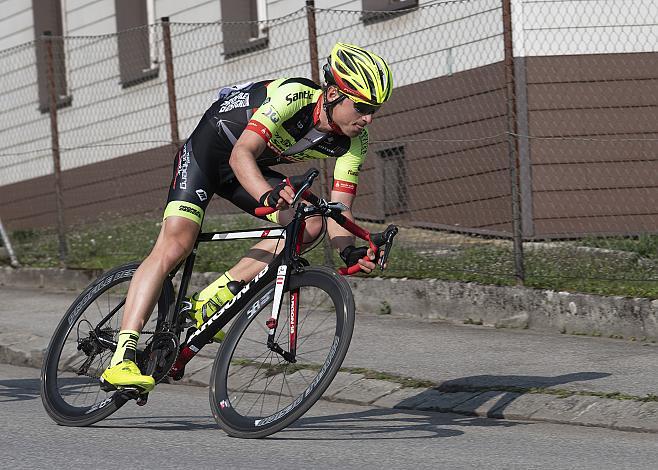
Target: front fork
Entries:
(273, 322)
(282, 279)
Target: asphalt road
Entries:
(176, 430)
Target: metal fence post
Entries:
(171, 85)
(514, 163)
(7, 244)
(54, 138)
(315, 76)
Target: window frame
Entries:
(133, 19)
(375, 11)
(258, 38)
(44, 21)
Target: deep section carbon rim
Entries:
(78, 355)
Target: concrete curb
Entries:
(457, 302)
(28, 350)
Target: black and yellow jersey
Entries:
(281, 112)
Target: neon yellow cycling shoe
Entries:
(126, 374)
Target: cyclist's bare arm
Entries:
(340, 237)
(243, 163)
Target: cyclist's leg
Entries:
(174, 243)
(182, 220)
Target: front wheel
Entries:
(254, 390)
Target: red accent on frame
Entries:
(356, 230)
(184, 357)
(294, 317)
(264, 234)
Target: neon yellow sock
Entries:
(126, 347)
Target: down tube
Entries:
(200, 338)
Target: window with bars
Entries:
(243, 26)
(394, 176)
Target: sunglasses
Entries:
(361, 108)
(365, 108)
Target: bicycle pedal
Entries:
(142, 399)
(132, 393)
(106, 386)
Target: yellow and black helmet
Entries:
(361, 75)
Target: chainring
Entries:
(159, 355)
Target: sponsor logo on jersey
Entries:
(352, 172)
(272, 114)
(344, 187)
(202, 194)
(303, 95)
(239, 100)
(183, 163)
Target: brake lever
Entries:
(299, 193)
(387, 246)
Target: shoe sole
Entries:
(130, 389)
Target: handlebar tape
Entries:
(263, 211)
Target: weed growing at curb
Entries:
(410, 382)
(558, 392)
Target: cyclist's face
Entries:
(351, 118)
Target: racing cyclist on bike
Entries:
(291, 120)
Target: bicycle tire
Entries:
(244, 363)
(72, 398)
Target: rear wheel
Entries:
(254, 390)
(82, 346)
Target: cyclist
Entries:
(291, 120)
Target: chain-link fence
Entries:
(507, 127)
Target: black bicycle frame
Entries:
(278, 269)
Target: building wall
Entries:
(16, 23)
(585, 71)
(593, 161)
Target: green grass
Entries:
(610, 266)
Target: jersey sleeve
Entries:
(280, 105)
(348, 166)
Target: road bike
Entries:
(290, 329)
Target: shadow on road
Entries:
(18, 390)
(385, 424)
(509, 387)
(379, 423)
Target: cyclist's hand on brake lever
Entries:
(369, 265)
(280, 197)
(363, 256)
